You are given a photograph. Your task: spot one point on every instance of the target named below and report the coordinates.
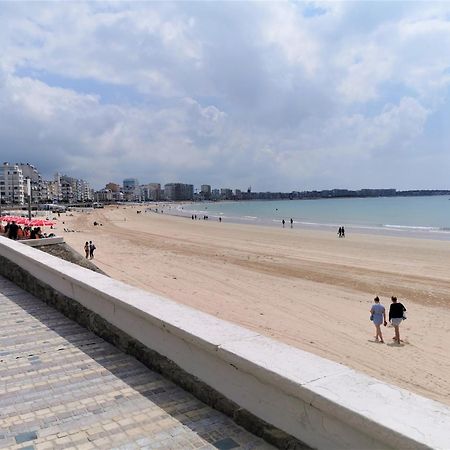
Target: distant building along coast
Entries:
(71, 190)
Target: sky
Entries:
(279, 96)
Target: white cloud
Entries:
(276, 95)
(288, 30)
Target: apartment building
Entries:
(205, 191)
(12, 186)
(36, 183)
(151, 192)
(75, 190)
(178, 191)
(131, 190)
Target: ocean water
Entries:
(423, 216)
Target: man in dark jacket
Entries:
(396, 317)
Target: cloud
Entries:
(279, 96)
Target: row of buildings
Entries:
(131, 190)
(19, 180)
(16, 180)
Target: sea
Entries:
(425, 217)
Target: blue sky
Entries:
(276, 95)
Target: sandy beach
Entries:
(306, 288)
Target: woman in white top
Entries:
(378, 316)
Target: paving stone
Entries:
(27, 436)
(64, 387)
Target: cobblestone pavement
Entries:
(63, 387)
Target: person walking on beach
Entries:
(91, 250)
(292, 222)
(340, 232)
(396, 317)
(283, 222)
(378, 317)
(87, 250)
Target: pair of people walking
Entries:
(89, 249)
(396, 317)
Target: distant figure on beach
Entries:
(92, 248)
(192, 216)
(342, 232)
(283, 222)
(378, 317)
(292, 222)
(396, 317)
(87, 250)
(220, 219)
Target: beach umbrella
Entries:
(40, 223)
(12, 219)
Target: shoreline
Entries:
(402, 231)
(307, 288)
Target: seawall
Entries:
(286, 395)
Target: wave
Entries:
(412, 227)
(393, 228)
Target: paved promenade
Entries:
(63, 387)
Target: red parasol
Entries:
(40, 223)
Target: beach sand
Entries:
(306, 288)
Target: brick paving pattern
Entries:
(62, 387)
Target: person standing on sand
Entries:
(91, 250)
(283, 222)
(378, 317)
(292, 222)
(396, 317)
(87, 250)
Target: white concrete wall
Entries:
(324, 404)
(43, 241)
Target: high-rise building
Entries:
(151, 192)
(30, 172)
(178, 191)
(131, 190)
(205, 191)
(226, 194)
(12, 187)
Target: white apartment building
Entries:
(151, 192)
(12, 187)
(37, 186)
(75, 189)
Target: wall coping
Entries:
(386, 413)
(43, 241)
